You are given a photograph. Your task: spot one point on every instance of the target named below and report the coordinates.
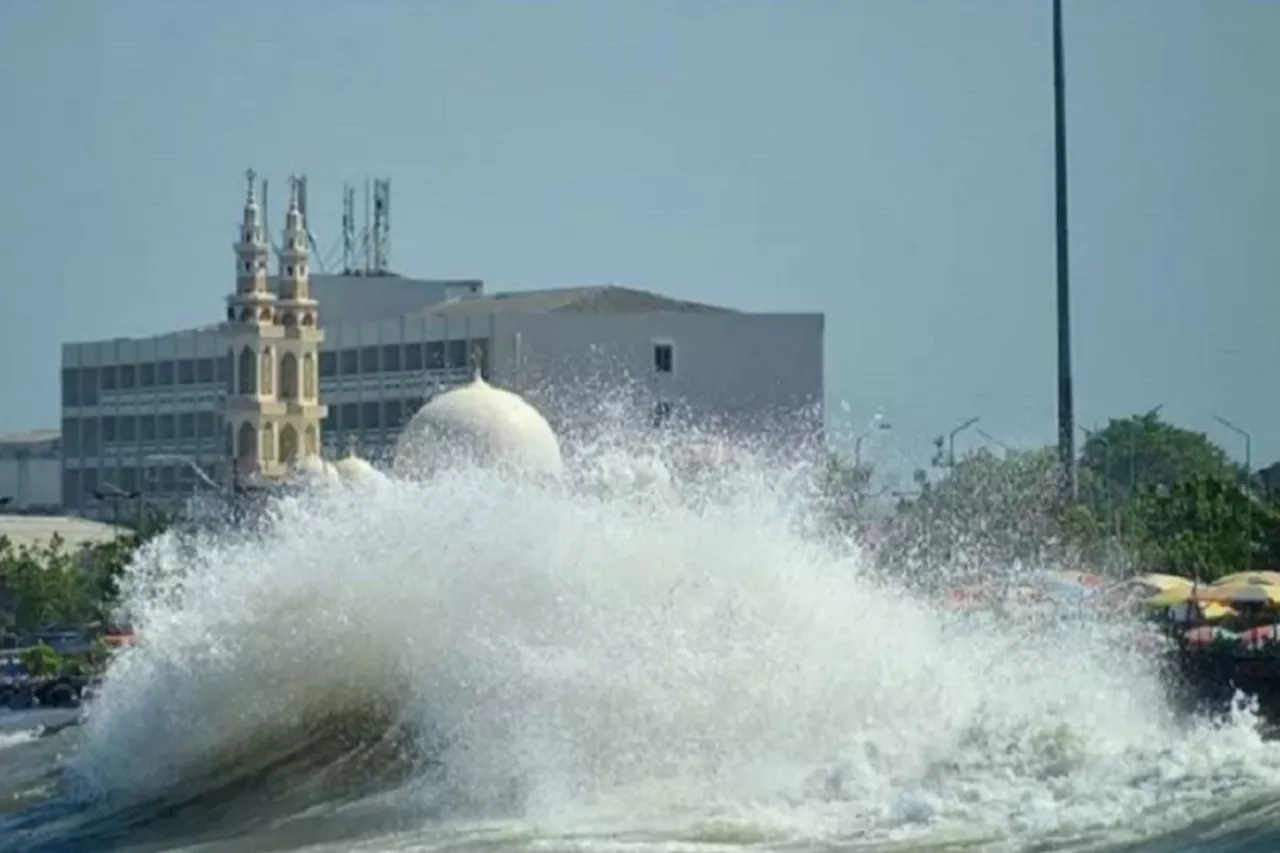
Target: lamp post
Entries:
(1066, 405)
(997, 442)
(951, 440)
(1248, 475)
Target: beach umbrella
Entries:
(1241, 593)
(1200, 611)
(1272, 578)
(1176, 596)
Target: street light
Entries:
(997, 442)
(1248, 474)
(951, 440)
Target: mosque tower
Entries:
(272, 412)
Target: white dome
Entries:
(482, 425)
(315, 469)
(354, 469)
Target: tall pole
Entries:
(951, 440)
(1066, 404)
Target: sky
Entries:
(886, 162)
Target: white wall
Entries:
(32, 482)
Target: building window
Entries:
(248, 373)
(664, 358)
(70, 387)
(164, 376)
(187, 425)
(661, 414)
(108, 378)
(89, 482)
(89, 386)
(168, 479)
(89, 436)
(187, 372)
(71, 435)
(289, 377)
(108, 429)
(128, 376)
(391, 358)
(204, 371)
(205, 427)
(392, 414)
(435, 355)
(350, 362)
(328, 365)
(349, 416)
(369, 360)
(308, 377)
(411, 407)
(164, 427)
(413, 357)
(128, 479)
(128, 427)
(147, 427)
(146, 375)
(223, 372)
(457, 354)
(371, 415)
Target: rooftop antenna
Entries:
(348, 228)
(368, 231)
(381, 225)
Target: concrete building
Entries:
(135, 411)
(31, 471)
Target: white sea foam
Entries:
(619, 655)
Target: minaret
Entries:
(252, 337)
(298, 353)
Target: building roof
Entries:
(29, 437)
(600, 299)
(39, 529)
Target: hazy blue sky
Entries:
(888, 163)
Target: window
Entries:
(349, 416)
(187, 372)
(371, 415)
(413, 357)
(165, 427)
(128, 479)
(204, 371)
(435, 355)
(391, 358)
(392, 414)
(328, 364)
(70, 387)
(147, 427)
(222, 370)
(664, 358)
(108, 429)
(457, 354)
(128, 376)
(147, 375)
(187, 425)
(108, 378)
(168, 478)
(369, 360)
(164, 376)
(71, 436)
(89, 481)
(128, 428)
(411, 406)
(89, 436)
(350, 362)
(204, 425)
(89, 386)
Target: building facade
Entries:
(154, 418)
(30, 471)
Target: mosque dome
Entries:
(354, 469)
(480, 425)
(315, 469)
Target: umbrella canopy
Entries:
(1272, 578)
(1201, 611)
(1241, 593)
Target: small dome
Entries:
(482, 425)
(315, 469)
(354, 469)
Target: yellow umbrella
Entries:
(1272, 578)
(1241, 593)
(1176, 596)
(1163, 582)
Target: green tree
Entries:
(1143, 452)
(41, 660)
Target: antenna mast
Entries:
(381, 225)
(348, 229)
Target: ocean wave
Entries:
(620, 658)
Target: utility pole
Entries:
(1066, 402)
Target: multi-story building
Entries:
(140, 415)
(30, 469)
